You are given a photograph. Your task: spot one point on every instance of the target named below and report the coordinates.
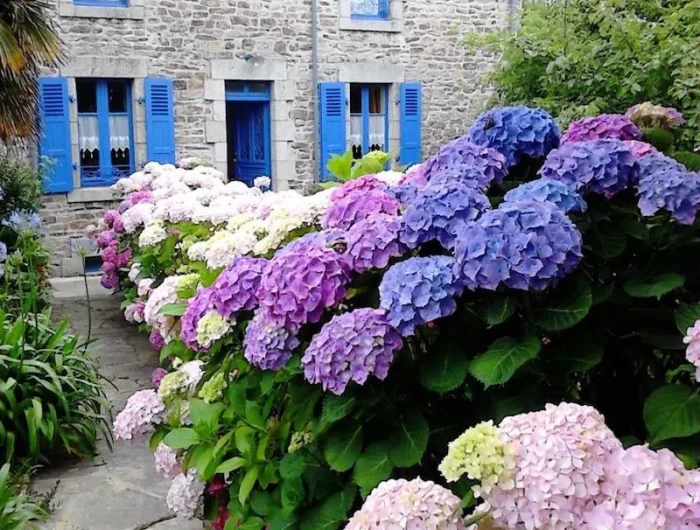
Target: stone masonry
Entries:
(202, 43)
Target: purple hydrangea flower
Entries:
(677, 192)
(333, 238)
(236, 288)
(516, 132)
(604, 167)
(640, 149)
(439, 212)
(364, 184)
(202, 302)
(351, 347)
(268, 345)
(462, 160)
(157, 341)
(415, 175)
(419, 290)
(297, 287)
(157, 376)
(657, 163)
(548, 190)
(600, 128)
(404, 193)
(373, 242)
(358, 205)
(523, 245)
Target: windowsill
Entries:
(96, 194)
(78, 11)
(359, 24)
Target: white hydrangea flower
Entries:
(137, 216)
(262, 182)
(153, 233)
(185, 494)
(211, 327)
(391, 178)
(134, 271)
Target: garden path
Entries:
(117, 490)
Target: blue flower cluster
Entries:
(548, 190)
(404, 193)
(418, 291)
(268, 345)
(461, 160)
(604, 167)
(516, 132)
(673, 190)
(23, 221)
(655, 163)
(522, 245)
(440, 212)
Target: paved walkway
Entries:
(117, 490)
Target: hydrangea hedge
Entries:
(393, 347)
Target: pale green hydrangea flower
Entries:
(481, 454)
(299, 440)
(187, 282)
(171, 385)
(213, 390)
(211, 327)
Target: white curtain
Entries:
(89, 131)
(355, 137)
(376, 129)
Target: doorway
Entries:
(248, 130)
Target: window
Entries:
(105, 130)
(369, 9)
(102, 3)
(369, 119)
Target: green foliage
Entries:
(17, 510)
(585, 57)
(673, 411)
(51, 401)
(345, 167)
(21, 186)
(24, 286)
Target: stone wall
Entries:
(200, 43)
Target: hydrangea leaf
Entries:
(181, 438)
(373, 466)
(332, 512)
(497, 309)
(292, 494)
(293, 465)
(578, 353)
(444, 369)
(282, 521)
(409, 440)
(337, 407)
(343, 447)
(574, 306)
(503, 358)
(654, 287)
(686, 316)
(672, 411)
(174, 309)
(609, 241)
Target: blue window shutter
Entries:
(411, 115)
(160, 121)
(383, 11)
(54, 142)
(332, 114)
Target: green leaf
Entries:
(247, 484)
(340, 166)
(181, 438)
(231, 464)
(609, 241)
(174, 309)
(205, 414)
(337, 407)
(292, 494)
(672, 411)
(252, 523)
(497, 309)
(373, 466)
(332, 512)
(577, 353)
(498, 364)
(444, 369)
(282, 521)
(293, 465)
(409, 440)
(263, 503)
(654, 287)
(343, 446)
(570, 311)
(686, 316)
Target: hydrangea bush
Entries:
(506, 335)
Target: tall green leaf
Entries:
(503, 358)
(409, 440)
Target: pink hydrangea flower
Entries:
(142, 409)
(692, 352)
(166, 462)
(185, 494)
(640, 149)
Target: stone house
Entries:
(254, 87)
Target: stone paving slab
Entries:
(117, 490)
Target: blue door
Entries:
(248, 117)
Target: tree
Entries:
(27, 42)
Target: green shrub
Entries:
(17, 511)
(579, 58)
(51, 401)
(21, 187)
(24, 285)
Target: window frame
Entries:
(364, 95)
(101, 3)
(383, 12)
(103, 115)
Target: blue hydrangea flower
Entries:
(516, 132)
(268, 345)
(417, 291)
(604, 167)
(522, 245)
(439, 212)
(677, 192)
(404, 193)
(655, 163)
(23, 221)
(548, 190)
(461, 160)
(372, 243)
(3, 251)
(333, 238)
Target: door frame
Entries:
(240, 92)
